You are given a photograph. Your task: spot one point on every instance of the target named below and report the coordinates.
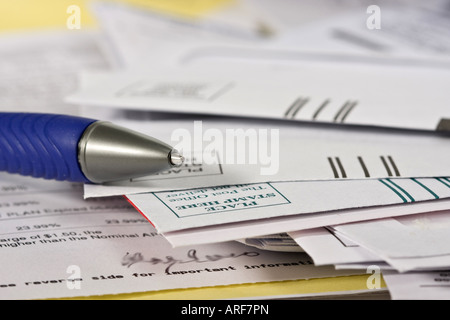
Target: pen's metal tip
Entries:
(176, 158)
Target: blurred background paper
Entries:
(183, 8)
(43, 14)
(29, 14)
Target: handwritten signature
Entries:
(132, 258)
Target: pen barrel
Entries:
(42, 145)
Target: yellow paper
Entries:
(32, 14)
(184, 8)
(336, 285)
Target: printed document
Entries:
(40, 68)
(82, 247)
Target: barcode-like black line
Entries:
(388, 170)
(341, 167)
(333, 167)
(363, 165)
(350, 108)
(292, 106)
(341, 110)
(397, 173)
(300, 104)
(321, 107)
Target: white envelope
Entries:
(294, 153)
(193, 208)
(290, 223)
(368, 95)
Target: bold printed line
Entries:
(291, 107)
(321, 107)
(426, 188)
(341, 110)
(443, 181)
(344, 175)
(388, 170)
(396, 192)
(295, 107)
(363, 165)
(278, 192)
(300, 105)
(397, 173)
(333, 167)
(350, 108)
(403, 190)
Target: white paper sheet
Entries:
(418, 242)
(326, 247)
(378, 265)
(413, 29)
(431, 285)
(140, 38)
(231, 231)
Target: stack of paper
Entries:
(316, 139)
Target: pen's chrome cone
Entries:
(176, 158)
(111, 153)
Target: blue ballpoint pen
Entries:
(63, 147)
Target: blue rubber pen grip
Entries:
(42, 145)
